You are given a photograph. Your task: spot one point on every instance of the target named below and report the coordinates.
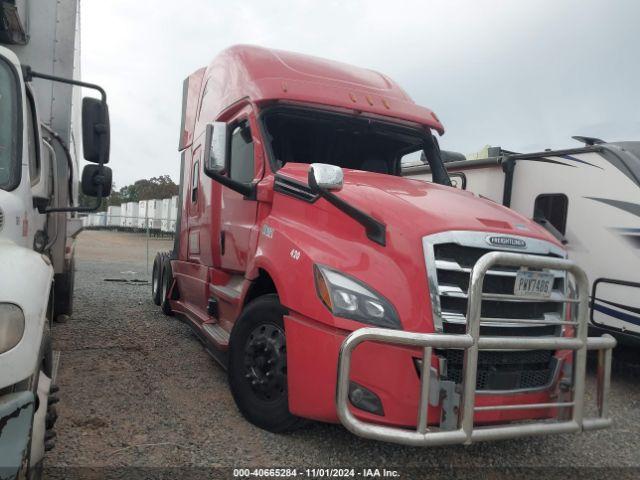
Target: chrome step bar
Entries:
(471, 341)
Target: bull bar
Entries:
(471, 342)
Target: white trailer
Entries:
(154, 214)
(101, 219)
(132, 215)
(164, 214)
(40, 120)
(141, 221)
(589, 198)
(113, 216)
(123, 215)
(173, 213)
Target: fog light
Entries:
(365, 399)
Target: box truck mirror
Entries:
(215, 148)
(95, 130)
(96, 181)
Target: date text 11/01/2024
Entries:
(316, 473)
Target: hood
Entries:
(423, 208)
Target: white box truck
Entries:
(41, 111)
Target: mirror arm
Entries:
(93, 208)
(376, 231)
(29, 74)
(249, 191)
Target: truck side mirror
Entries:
(95, 130)
(215, 148)
(94, 177)
(325, 177)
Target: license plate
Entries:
(533, 284)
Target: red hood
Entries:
(424, 208)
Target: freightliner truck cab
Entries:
(333, 289)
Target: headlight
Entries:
(347, 297)
(11, 326)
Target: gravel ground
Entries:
(138, 389)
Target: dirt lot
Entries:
(138, 389)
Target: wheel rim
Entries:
(265, 362)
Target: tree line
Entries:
(144, 189)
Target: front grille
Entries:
(497, 370)
(453, 265)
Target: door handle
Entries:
(222, 238)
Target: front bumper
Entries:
(16, 413)
(567, 411)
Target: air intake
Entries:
(1, 219)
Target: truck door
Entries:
(238, 214)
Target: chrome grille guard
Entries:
(465, 432)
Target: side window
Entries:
(195, 181)
(32, 146)
(553, 208)
(412, 159)
(242, 162)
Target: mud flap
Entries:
(16, 414)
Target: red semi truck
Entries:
(332, 288)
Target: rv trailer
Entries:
(589, 198)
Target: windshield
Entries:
(9, 165)
(313, 136)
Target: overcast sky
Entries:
(524, 75)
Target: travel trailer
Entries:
(334, 289)
(588, 197)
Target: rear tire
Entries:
(258, 366)
(156, 279)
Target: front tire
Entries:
(167, 281)
(156, 279)
(258, 366)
